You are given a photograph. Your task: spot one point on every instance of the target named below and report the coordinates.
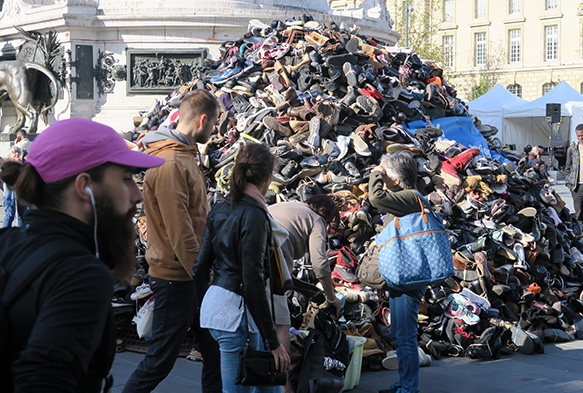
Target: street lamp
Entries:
(408, 10)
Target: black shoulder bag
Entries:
(256, 367)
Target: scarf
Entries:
(252, 191)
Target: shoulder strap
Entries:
(24, 274)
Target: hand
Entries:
(282, 359)
(379, 168)
(337, 305)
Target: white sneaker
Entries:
(390, 362)
(424, 359)
(141, 292)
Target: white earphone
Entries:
(89, 191)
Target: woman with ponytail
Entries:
(236, 248)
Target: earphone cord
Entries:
(95, 227)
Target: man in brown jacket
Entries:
(176, 207)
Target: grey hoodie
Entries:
(163, 133)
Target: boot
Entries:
(462, 159)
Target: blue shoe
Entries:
(396, 388)
(227, 75)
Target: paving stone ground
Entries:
(559, 370)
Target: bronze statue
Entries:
(16, 82)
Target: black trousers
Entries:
(577, 194)
(174, 310)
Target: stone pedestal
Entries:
(90, 29)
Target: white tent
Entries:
(527, 124)
(491, 107)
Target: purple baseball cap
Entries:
(69, 147)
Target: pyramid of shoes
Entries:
(329, 102)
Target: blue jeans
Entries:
(230, 343)
(404, 308)
(10, 208)
(173, 314)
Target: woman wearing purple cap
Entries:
(57, 333)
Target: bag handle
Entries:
(421, 206)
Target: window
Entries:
(552, 4)
(448, 51)
(480, 48)
(581, 88)
(448, 6)
(548, 87)
(515, 7)
(514, 45)
(515, 89)
(481, 6)
(551, 42)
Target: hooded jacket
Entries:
(60, 333)
(176, 207)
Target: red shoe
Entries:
(461, 160)
(371, 92)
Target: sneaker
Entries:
(394, 388)
(424, 359)
(141, 292)
(360, 146)
(390, 362)
(195, 356)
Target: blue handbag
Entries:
(414, 250)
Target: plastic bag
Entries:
(144, 318)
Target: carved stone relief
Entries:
(162, 71)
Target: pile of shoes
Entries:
(329, 102)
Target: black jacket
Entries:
(61, 334)
(235, 246)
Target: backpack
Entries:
(313, 376)
(368, 268)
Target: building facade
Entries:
(528, 46)
(115, 51)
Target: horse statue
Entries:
(17, 81)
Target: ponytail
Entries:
(29, 187)
(254, 164)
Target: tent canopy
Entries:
(560, 94)
(527, 124)
(491, 107)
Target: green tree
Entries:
(419, 28)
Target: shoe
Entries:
(360, 146)
(314, 137)
(394, 388)
(350, 73)
(424, 359)
(141, 292)
(227, 75)
(350, 97)
(274, 124)
(290, 169)
(390, 362)
(194, 355)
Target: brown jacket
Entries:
(176, 207)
